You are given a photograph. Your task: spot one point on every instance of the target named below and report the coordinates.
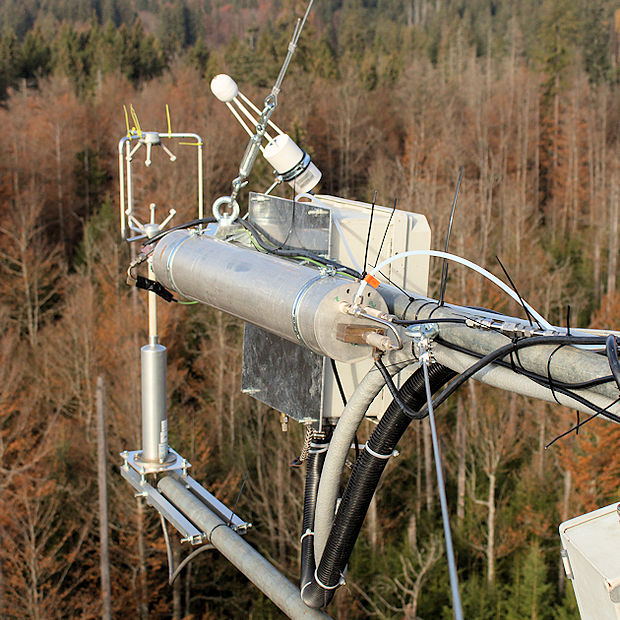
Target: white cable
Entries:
(461, 261)
(319, 203)
(249, 117)
(270, 123)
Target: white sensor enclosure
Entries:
(292, 164)
(224, 87)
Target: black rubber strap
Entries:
(154, 287)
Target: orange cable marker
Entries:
(372, 281)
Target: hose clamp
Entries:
(295, 309)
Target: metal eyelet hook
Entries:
(224, 217)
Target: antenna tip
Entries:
(224, 87)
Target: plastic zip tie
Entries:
(308, 532)
(376, 454)
(341, 582)
(320, 451)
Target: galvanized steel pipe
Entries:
(291, 300)
(242, 555)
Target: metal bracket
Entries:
(135, 473)
(423, 336)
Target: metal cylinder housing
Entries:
(293, 301)
(154, 405)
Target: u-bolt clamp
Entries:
(423, 336)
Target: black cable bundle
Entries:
(362, 485)
(314, 466)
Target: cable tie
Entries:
(320, 451)
(319, 445)
(341, 582)
(376, 454)
(308, 532)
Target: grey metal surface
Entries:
(568, 364)
(506, 379)
(291, 224)
(154, 404)
(214, 504)
(254, 566)
(282, 375)
(154, 498)
(280, 296)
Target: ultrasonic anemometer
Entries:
(333, 294)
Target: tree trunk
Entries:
(143, 603)
(372, 525)
(428, 464)
(613, 237)
(221, 371)
(104, 545)
(176, 587)
(491, 532)
(461, 448)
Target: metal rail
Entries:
(241, 554)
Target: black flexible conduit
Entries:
(314, 466)
(319, 589)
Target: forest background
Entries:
(392, 96)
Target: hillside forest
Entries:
(392, 96)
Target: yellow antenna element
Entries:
(169, 124)
(127, 121)
(190, 143)
(135, 119)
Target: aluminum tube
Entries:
(154, 405)
(569, 364)
(341, 441)
(293, 301)
(242, 555)
(506, 379)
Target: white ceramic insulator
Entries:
(224, 87)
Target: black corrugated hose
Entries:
(314, 466)
(318, 591)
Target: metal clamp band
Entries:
(294, 172)
(297, 303)
(173, 251)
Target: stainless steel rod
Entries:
(241, 554)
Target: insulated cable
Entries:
(190, 224)
(297, 253)
(445, 517)
(582, 385)
(461, 261)
(506, 350)
(612, 355)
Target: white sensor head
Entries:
(224, 87)
(292, 164)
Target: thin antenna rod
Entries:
(386, 232)
(514, 288)
(232, 514)
(444, 269)
(372, 214)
